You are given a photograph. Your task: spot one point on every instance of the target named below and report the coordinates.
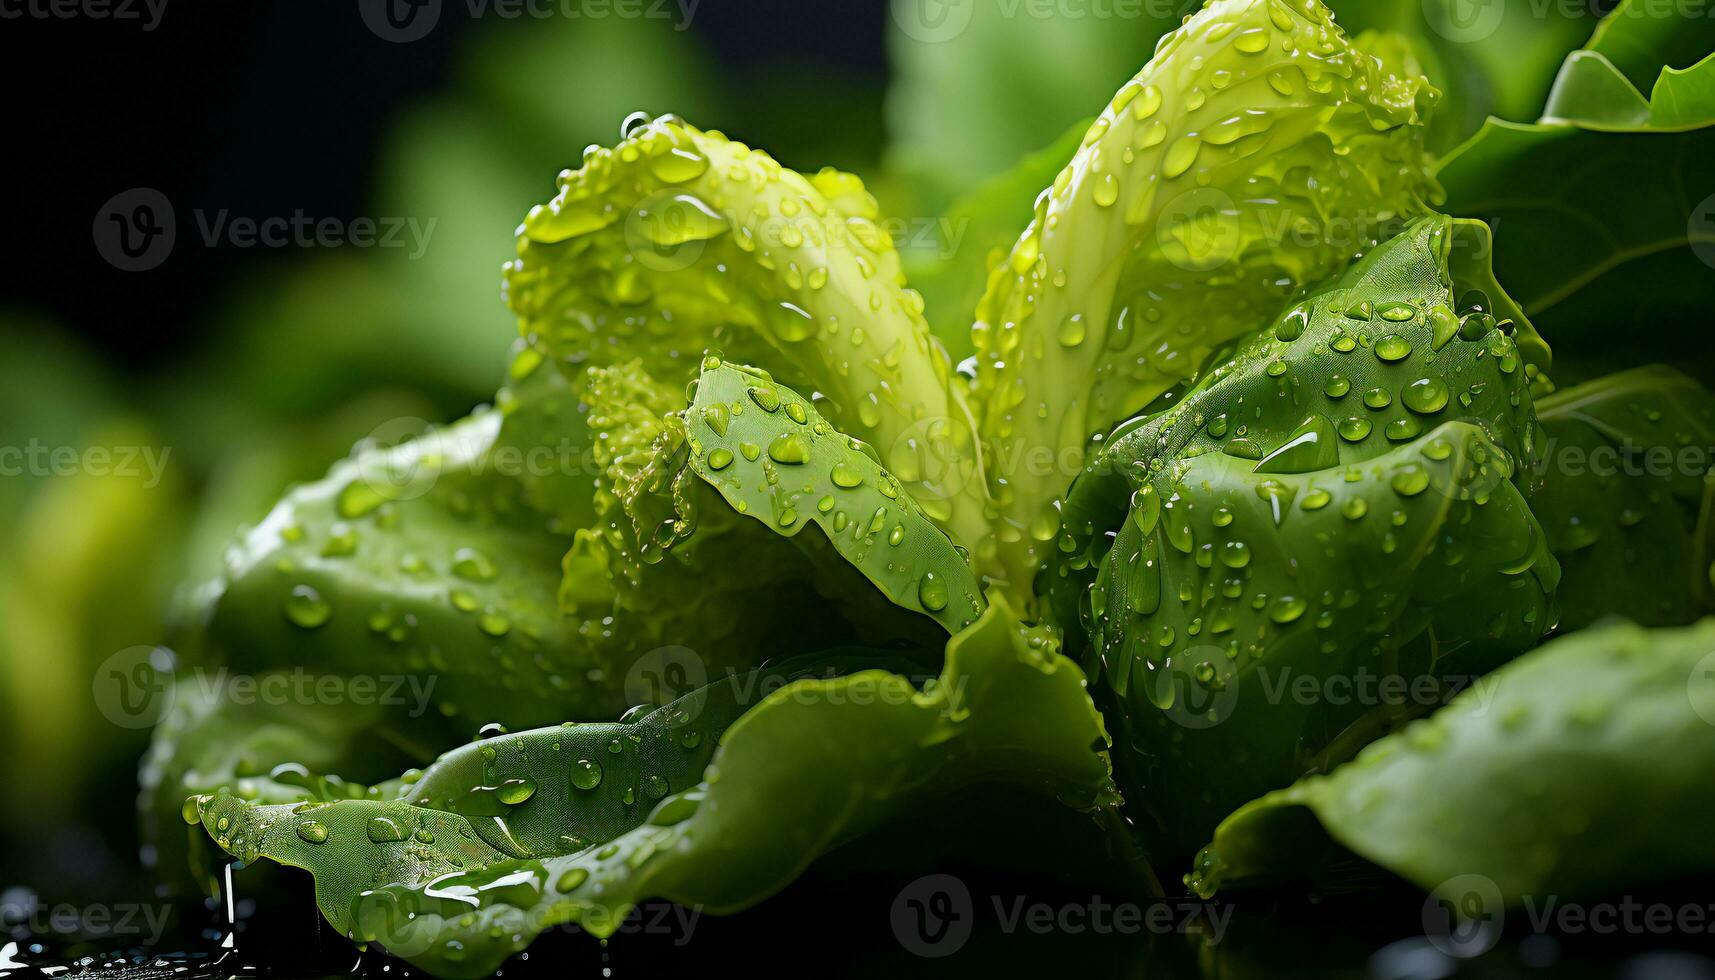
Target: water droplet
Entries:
(1147, 103)
(1310, 447)
(790, 447)
(359, 498)
(1393, 347)
(1378, 398)
(1292, 326)
(679, 164)
(766, 399)
(1072, 330)
(1354, 429)
(1426, 396)
(845, 475)
(717, 418)
(586, 774)
(932, 592)
(515, 791)
(384, 830)
(1181, 155)
(1107, 190)
(720, 459)
(1443, 324)
(305, 607)
(494, 623)
(1146, 509)
(313, 831)
(472, 565)
(1253, 41)
(1404, 430)
(1475, 326)
(1337, 387)
(1287, 609)
(1410, 480)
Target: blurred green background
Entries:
(252, 369)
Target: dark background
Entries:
(265, 108)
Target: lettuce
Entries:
(1511, 780)
(1349, 491)
(464, 864)
(1254, 155)
(744, 569)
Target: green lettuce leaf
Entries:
(265, 751)
(1625, 497)
(1600, 207)
(421, 559)
(1254, 155)
(774, 458)
(701, 508)
(679, 241)
(1561, 774)
(1493, 59)
(811, 765)
(1347, 494)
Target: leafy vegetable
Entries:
(1341, 495)
(1490, 60)
(678, 241)
(773, 457)
(504, 839)
(1516, 778)
(1601, 201)
(1324, 450)
(1253, 155)
(423, 559)
(1626, 497)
